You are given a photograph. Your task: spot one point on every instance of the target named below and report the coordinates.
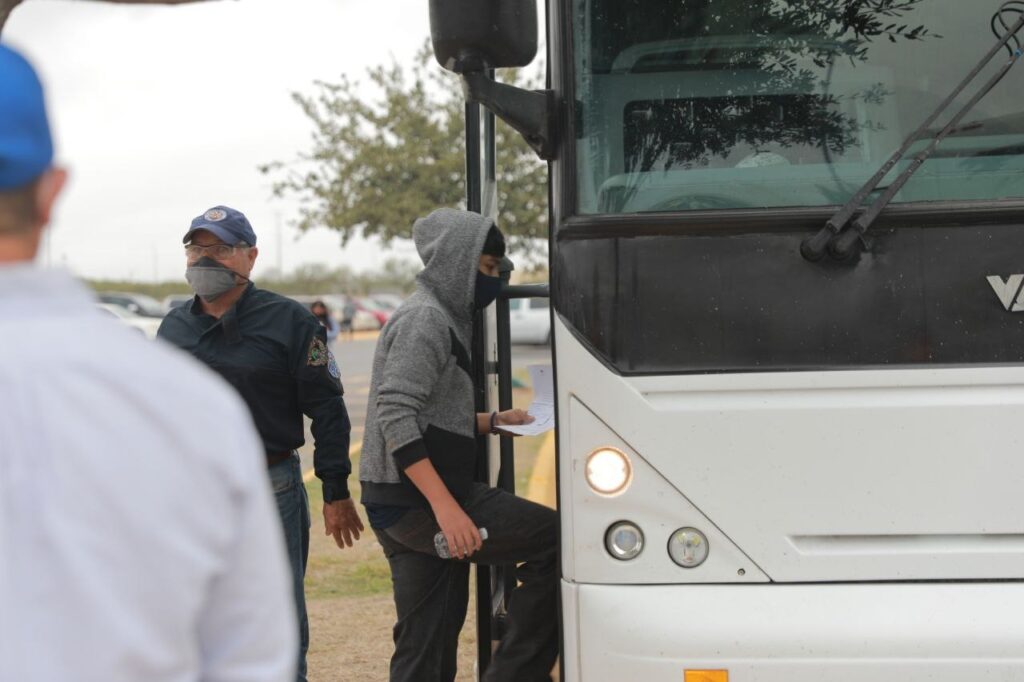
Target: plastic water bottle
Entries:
(441, 543)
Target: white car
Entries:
(140, 304)
(388, 301)
(530, 320)
(147, 326)
(175, 300)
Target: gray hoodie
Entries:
(421, 394)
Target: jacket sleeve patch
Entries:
(318, 355)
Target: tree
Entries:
(6, 6)
(378, 164)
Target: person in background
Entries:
(275, 354)
(348, 318)
(138, 537)
(323, 315)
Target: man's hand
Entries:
(512, 418)
(459, 530)
(342, 521)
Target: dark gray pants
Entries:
(431, 594)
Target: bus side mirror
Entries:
(473, 35)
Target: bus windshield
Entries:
(730, 104)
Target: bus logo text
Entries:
(1008, 290)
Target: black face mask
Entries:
(209, 279)
(487, 289)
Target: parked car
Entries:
(175, 300)
(388, 301)
(363, 321)
(147, 326)
(376, 309)
(530, 320)
(140, 304)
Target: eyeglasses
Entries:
(217, 251)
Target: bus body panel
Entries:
(654, 505)
(815, 476)
(934, 632)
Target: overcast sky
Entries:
(162, 112)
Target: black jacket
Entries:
(274, 352)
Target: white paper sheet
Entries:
(542, 409)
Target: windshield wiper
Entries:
(832, 237)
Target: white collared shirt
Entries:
(138, 537)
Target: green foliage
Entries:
(377, 164)
(156, 290)
(395, 276)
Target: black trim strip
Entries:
(685, 304)
(749, 221)
(461, 355)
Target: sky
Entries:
(162, 112)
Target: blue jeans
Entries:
(293, 507)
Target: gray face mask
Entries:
(209, 279)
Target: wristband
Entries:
(494, 428)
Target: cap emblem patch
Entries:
(215, 215)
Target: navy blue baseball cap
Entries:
(229, 225)
(26, 148)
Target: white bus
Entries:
(770, 467)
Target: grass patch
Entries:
(355, 571)
(526, 447)
(327, 578)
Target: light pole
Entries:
(280, 249)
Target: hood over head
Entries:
(450, 242)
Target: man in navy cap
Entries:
(275, 353)
(138, 537)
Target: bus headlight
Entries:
(608, 471)
(624, 540)
(688, 547)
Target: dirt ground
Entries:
(351, 639)
(348, 595)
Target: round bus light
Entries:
(624, 540)
(608, 471)
(688, 547)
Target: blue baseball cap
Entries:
(26, 148)
(229, 225)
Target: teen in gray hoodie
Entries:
(418, 465)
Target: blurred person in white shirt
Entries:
(139, 541)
